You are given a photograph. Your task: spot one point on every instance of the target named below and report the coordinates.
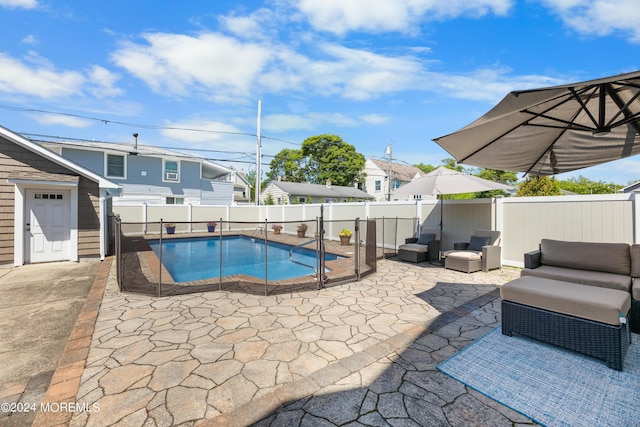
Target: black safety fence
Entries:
(165, 257)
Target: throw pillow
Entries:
(477, 242)
(424, 239)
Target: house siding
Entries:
(14, 158)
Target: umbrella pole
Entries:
(439, 261)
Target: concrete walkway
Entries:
(362, 353)
(39, 307)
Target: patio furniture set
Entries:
(577, 295)
(481, 252)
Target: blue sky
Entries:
(371, 71)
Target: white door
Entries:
(48, 225)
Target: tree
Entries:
(539, 186)
(582, 185)
(288, 165)
(329, 157)
(425, 168)
(503, 177)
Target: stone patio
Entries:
(361, 353)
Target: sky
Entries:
(191, 75)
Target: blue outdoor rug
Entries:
(550, 385)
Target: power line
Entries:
(140, 125)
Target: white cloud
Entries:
(208, 131)
(19, 4)
(56, 119)
(30, 39)
(340, 16)
(485, 84)
(213, 66)
(102, 82)
(600, 17)
(374, 119)
(40, 79)
(35, 76)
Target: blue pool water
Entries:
(199, 258)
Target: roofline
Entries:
(50, 155)
(124, 148)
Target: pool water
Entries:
(199, 258)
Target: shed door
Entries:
(48, 225)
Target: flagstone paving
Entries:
(363, 353)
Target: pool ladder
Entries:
(315, 270)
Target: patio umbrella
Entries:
(448, 181)
(554, 129)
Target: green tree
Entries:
(503, 177)
(425, 168)
(539, 186)
(289, 165)
(582, 185)
(450, 163)
(268, 200)
(329, 157)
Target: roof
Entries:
(398, 171)
(320, 190)
(41, 176)
(630, 188)
(214, 170)
(56, 158)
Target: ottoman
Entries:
(587, 319)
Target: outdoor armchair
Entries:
(424, 246)
(481, 252)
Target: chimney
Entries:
(328, 183)
(135, 141)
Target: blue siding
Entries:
(92, 160)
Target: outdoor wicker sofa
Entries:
(607, 265)
(423, 247)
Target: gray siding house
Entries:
(284, 193)
(51, 209)
(152, 175)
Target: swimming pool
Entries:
(195, 258)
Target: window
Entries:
(396, 184)
(175, 200)
(171, 170)
(378, 186)
(115, 166)
(47, 196)
(302, 199)
(330, 200)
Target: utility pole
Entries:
(390, 153)
(258, 155)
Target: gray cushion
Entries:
(584, 277)
(413, 247)
(425, 238)
(607, 257)
(477, 242)
(586, 302)
(635, 260)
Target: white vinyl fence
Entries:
(523, 221)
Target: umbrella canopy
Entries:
(448, 181)
(554, 129)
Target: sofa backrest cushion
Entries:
(428, 230)
(493, 235)
(608, 257)
(635, 261)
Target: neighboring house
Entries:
(298, 192)
(51, 208)
(152, 175)
(241, 189)
(377, 178)
(630, 188)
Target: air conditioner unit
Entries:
(171, 176)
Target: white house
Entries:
(377, 180)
